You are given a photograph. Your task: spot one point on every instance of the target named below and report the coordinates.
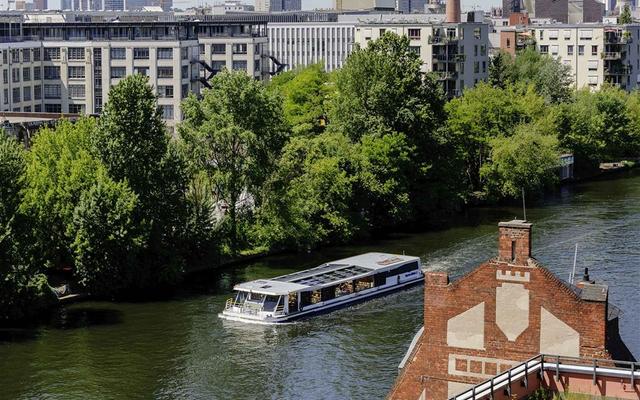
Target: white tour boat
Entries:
(328, 286)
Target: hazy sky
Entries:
(311, 4)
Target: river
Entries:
(179, 349)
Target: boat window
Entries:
(344, 289)
(403, 269)
(293, 302)
(380, 279)
(270, 302)
(240, 297)
(255, 297)
(328, 293)
(305, 299)
(363, 283)
(316, 297)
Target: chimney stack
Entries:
(514, 242)
(453, 10)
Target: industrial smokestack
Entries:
(453, 10)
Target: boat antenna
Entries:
(573, 272)
(524, 206)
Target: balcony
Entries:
(446, 75)
(618, 70)
(612, 55)
(442, 40)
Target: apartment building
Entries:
(457, 52)
(596, 53)
(69, 67)
(278, 5)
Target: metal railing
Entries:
(545, 362)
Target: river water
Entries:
(179, 349)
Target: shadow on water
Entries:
(17, 335)
(84, 317)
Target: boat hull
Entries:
(360, 298)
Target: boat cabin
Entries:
(326, 286)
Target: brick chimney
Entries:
(514, 243)
(453, 11)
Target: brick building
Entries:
(506, 311)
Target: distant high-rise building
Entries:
(278, 5)
(39, 5)
(411, 6)
(364, 4)
(113, 5)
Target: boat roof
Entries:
(323, 275)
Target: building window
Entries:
(483, 50)
(594, 50)
(541, 34)
(240, 65)
(51, 53)
(52, 91)
(484, 67)
(218, 65)
(118, 53)
(592, 65)
(51, 72)
(36, 54)
(53, 108)
(201, 49)
(141, 53)
(76, 108)
(508, 43)
(185, 90)
(77, 92)
(76, 72)
(26, 55)
(167, 111)
(165, 53)
(37, 92)
(476, 67)
(37, 74)
(37, 108)
(15, 56)
(239, 48)
(581, 50)
(15, 75)
(16, 95)
(141, 71)
(26, 74)
(184, 52)
(26, 93)
(27, 109)
(165, 72)
(570, 50)
(476, 33)
(218, 48)
(415, 49)
(4, 58)
(554, 50)
(544, 49)
(6, 96)
(184, 72)
(5, 76)
(76, 53)
(414, 34)
(118, 72)
(165, 91)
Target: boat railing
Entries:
(279, 309)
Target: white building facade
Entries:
(457, 52)
(596, 53)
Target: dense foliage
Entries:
(305, 160)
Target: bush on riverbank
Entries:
(307, 160)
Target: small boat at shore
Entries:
(329, 286)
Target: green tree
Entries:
(311, 194)
(500, 69)
(599, 126)
(304, 91)
(484, 113)
(527, 160)
(551, 79)
(132, 142)
(23, 289)
(60, 166)
(381, 89)
(625, 16)
(106, 242)
(234, 134)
